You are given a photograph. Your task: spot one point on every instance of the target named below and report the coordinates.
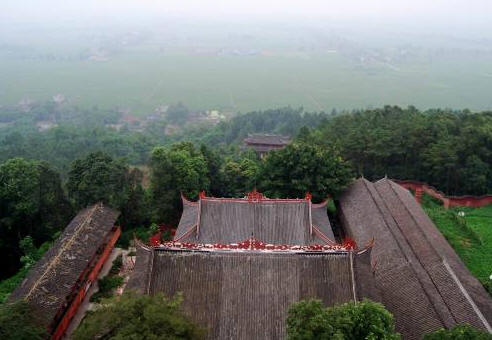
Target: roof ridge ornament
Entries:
(255, 196)
(308, 196)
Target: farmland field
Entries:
(144, 78)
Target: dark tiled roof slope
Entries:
(422, 280)
(267, 140)
(235, 220)
(54, 276)
(188, 218)
(246, 295)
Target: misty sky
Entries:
(462, 14)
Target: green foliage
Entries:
(97, 178)
(142, 233)
(301, 168)
(32, 203)
(458, 332)
(100, 178)
(309, 320)
(179, 168)
(116, 266)
(30, 256)
(106, 287)
(7, 286)
(450, 150)
(133, 316)
(17, 322)
(240, 177)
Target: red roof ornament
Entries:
(349, 243)
(252, 244)
(155, 240)
(309, 196)
(255, 196)
(202, 194)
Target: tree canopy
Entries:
(451, 150)
(300, 168)
(135, 316)
(458, 332)
(97, 178)
(179, 168)
(309, 320)
(32, 203)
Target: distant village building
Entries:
(262, 144)
(25, 104)
(58, 99)
(56, 285)
(241, 262)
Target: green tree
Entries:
(133, 316)
(309, 320)
(240, 177)
(179, 168)
(458, 332)
(214, 163)
(301, 168)
(98, 178)
(18, 322)
(32, 202)
(136, 209)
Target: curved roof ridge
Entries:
(321, 204)
(187, 201)
(322, 235)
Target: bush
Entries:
(134, 316)
(365, 320)
(458, 332)
(117, 264)
(106, 287)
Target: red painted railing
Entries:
(448, 201)
(79, 298)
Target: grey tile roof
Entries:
(53, 278)
(422, 280)
(246, 295)
(235, 220)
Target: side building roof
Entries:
(53, 278)
(422, 280)
(278, 221)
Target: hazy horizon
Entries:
(239, 56)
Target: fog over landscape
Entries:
(235, 56)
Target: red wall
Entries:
(448, 201)
(79, 298)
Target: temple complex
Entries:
(241, 262)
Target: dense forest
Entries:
(140, 168)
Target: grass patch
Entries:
(470, 235)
